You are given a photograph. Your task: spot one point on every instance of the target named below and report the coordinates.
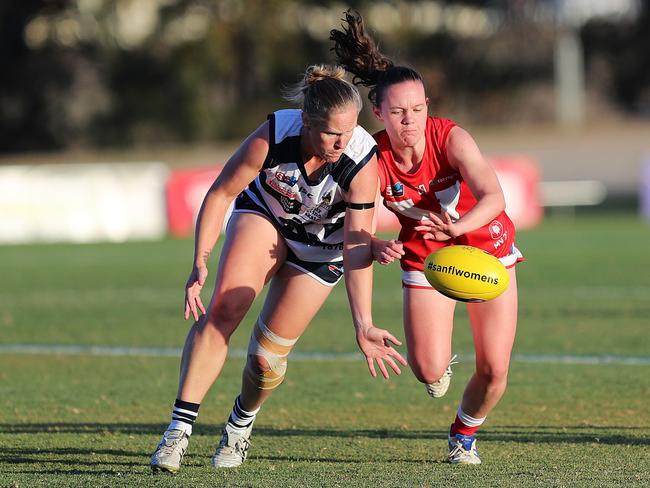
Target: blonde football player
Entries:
(305, 184)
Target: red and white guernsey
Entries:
(436, 187)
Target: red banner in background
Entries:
(519, 177)
(185, 191)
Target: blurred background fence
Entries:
(563, 85)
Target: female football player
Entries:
(306, 181)
(434, 178)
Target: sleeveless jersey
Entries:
(434, 187)
(308, 213)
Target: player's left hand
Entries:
(376, 346)
(438, 228)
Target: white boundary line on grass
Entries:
(74, 350)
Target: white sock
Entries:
(241, 419)
(468, 420)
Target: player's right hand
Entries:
(385, 252)
(193, 289)
(438, 227)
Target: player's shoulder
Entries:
(439, 130)
(286, 123)
(458, 141)
(362, 146)
(440, 126)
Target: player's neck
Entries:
(409, 158)
(312, 163)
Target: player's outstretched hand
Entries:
(376, 345)
(193, 289)
(438, 228)
(385, 252)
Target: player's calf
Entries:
(265, 370)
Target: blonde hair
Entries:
(322, 90)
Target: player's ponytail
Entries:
(358, 53)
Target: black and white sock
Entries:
(184, 415)
(241, 419)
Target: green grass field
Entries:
(83, 420)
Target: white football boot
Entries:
(233, 447)
(170, 452)
(462, 450)
(440, 387)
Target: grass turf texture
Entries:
(93, 421)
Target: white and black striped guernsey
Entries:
(308, 214)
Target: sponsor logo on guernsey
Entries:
(281, 190)
(290, 205)
(318, 212)
(442, 180)
(496, 229)
(422, 189)
(398, 189)
(498, 234)
(284, 178)
(501, 240)
(454, 271)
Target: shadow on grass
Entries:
(76, 462)
(78, 472)
(552, 434)
(16, 452)
(115, 462)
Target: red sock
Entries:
(458, 427)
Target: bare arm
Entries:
(357, 256)
(464, 155)
(239, 171)
(357, 253)
(384, 252)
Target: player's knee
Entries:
(428, 371)
(493, 374)
(225, 311)
(257, 364)
(266, 365)
(265, 374)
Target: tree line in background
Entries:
(79, 73)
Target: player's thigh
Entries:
(494, 324)
(428, 324)
(292, 301)
(252, 253)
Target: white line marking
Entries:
(235, 353)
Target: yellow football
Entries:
(466, 273)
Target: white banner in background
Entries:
(82, 202)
